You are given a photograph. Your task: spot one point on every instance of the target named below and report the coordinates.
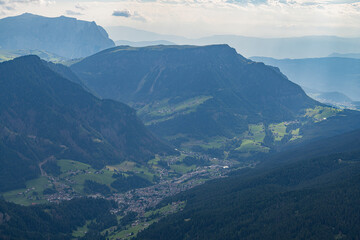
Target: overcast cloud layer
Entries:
(197, 18)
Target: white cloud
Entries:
(73, 13)
(11, 5)
(80, 6)
(122, 13)
(127, 14)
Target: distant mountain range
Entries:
(336, 99)
(330, 74)
(72, 38)
(63, 36)
(6, 55)
(44, 117)
(142, 43)
(122, 33)
(296, 47)
(292, 47)
(345, 55)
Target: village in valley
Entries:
(170, 174)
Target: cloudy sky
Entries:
(196, 18)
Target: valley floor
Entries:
(140, 202)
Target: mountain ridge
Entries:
(225, 88)
(45, 115)
(277, 47)
(322, 74)
(66, 37)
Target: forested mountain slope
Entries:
(45, 116)
(310, 193)
(194, 92)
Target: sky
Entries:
(198, 18)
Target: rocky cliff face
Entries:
(67, 37)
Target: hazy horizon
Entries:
(194, 19)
